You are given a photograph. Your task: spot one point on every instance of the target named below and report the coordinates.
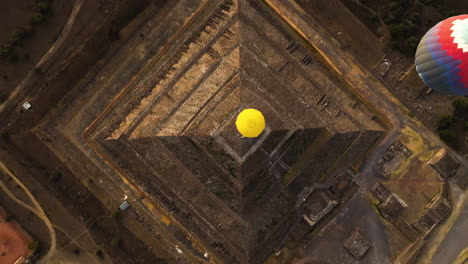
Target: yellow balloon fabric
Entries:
(250, 123)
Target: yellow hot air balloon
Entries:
(250, 123)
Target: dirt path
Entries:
(74, 240)
(62, 37)
(446, 243)
(37, 210)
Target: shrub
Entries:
(37, 18)
(13, 57)
(419, 6)
(42, 7)
(114, 34)
(115, 242)
(100, 254)
(8, 218)
(427, 2)
(6, 50)
(37, 70)
(33, 245)
(415, 18)
(17, 35)
(56, 177)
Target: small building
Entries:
(444, 164)
(124, 206)
(341, 183)
(440, 207)
(26, 105)
(21, 260)
(319, 204)
(357, 245)
(392, 207)
(380, 192)
(392, 159)
(424, 223)
(436, 211)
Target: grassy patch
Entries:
(413, 141)
(376, 210)
(288, 252)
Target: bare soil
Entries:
(368, 17)
(416, 187)
(13, 241)
(17, 13)
(94, 33)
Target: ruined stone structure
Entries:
(444, 164)
(392, 206)
(357, 245)
(170, 134)
(436, 211)
(237, 195)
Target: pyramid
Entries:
(174, 135)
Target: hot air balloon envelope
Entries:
(442, 56)
(250, 123)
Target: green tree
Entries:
(445, 122)
(397, 31)
(460, 106)
(448, 136)
(412, 43)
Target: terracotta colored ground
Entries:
(13, 242)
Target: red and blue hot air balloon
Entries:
(442, 56)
